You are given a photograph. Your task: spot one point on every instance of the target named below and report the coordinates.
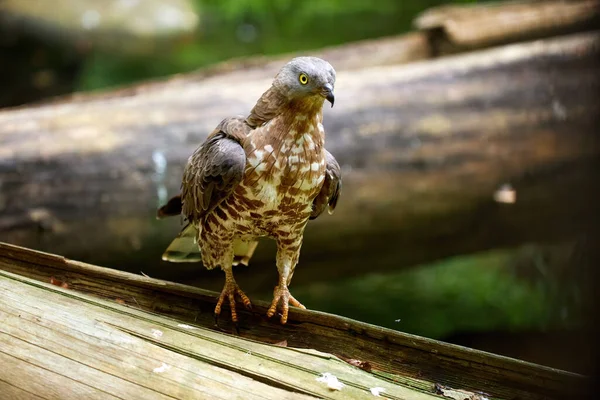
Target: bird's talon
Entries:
(229, 291)
(219, 304)
(295, 302)
(282, 293)
(231, 297)
(271, 310)
(245, 300)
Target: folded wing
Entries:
(211, 175)
(331, 189)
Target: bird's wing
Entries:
(331, 189)
(232, 128)
(215, 169)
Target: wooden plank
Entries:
(115, 356)
(416, 362)
(14, 393)
(37, 379)
(130, 354)
(104, 361)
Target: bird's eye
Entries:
(303, 79)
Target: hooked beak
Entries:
(328, 93)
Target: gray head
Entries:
(306, 77)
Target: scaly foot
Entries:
(282, 293)
(229, 291)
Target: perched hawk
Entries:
(263, 175)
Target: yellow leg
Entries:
(229, 291)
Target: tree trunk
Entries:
(425, 149)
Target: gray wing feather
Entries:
(331, 189)
(214, 170)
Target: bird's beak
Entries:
(328, 93)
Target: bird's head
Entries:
(307, 78)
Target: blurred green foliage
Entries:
(235, 28)
(478, 293)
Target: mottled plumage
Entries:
(263, 175)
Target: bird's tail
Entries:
(242, 251)
(184, 248)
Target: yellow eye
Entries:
(303, 79)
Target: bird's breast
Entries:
(285, 165)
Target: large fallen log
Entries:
(477, 25)
(107, 25)
(423, 146)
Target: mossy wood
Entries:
(48, 329)
(424, 147)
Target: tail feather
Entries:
(242, 251)
(184, 248)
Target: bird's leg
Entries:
(287, 258)
(282, 293)
(229, 291)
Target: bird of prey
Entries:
(264, 175)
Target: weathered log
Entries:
(460, 26)
(108, 25)
(404, 359)
(391, 50)
(424, 147)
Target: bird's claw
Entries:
(282, 293)
(229, 291)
